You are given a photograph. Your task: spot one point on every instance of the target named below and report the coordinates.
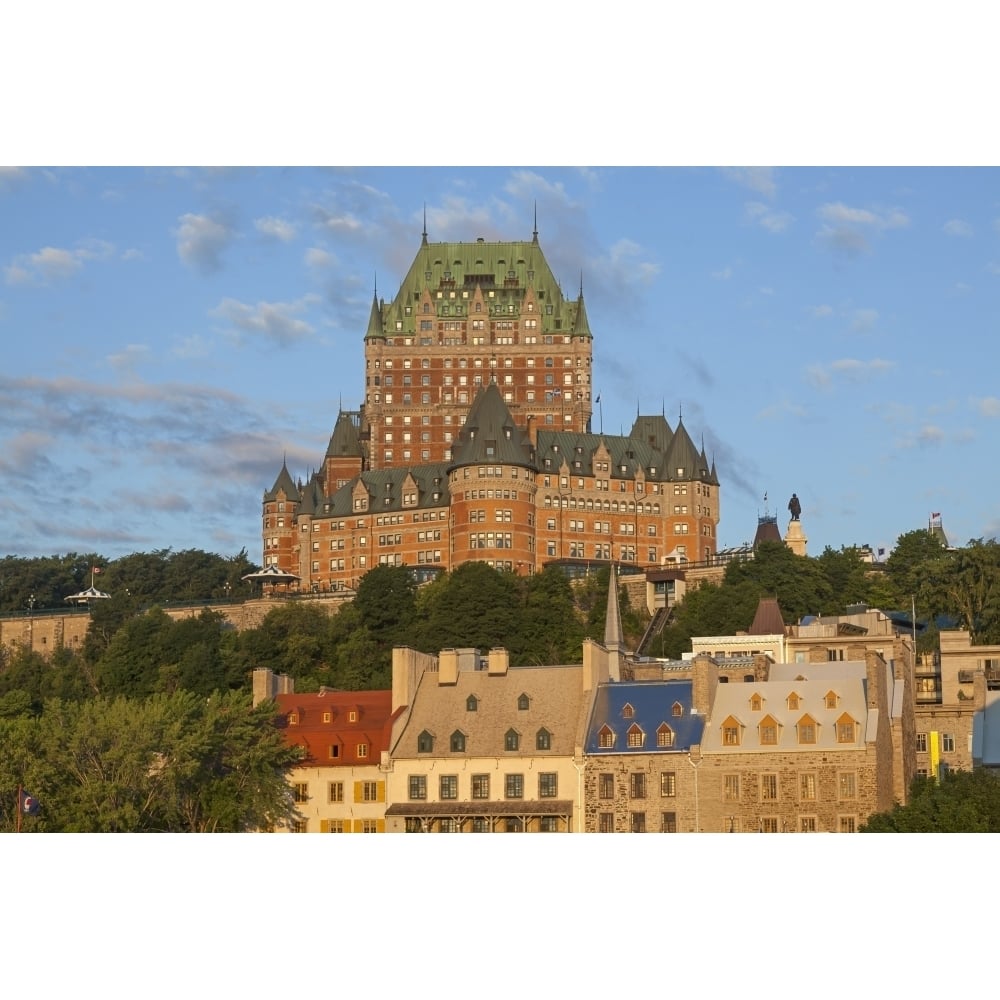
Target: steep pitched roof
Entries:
(651, 705)
(284, 483)
(554, 700)
(320, 721)
(385, 490)
(682, 454)
(345, 441)
(767, 530)
(490, 434)
(375, 327)
(768, 619)
(652, 430)
(504, 270)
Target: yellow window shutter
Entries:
(380, 825)
(346, 826)
(381, 792)
(324, 826)
(357, 791)
(359, 826)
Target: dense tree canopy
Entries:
(962, 802)
(176, 762)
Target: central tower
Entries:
(467, 315)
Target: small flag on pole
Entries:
(936, 513)
(96, 569)
(29, 804)
(881, 552)
(598, 398)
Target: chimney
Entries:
(448, 666)
(704, 681)
(499, 662)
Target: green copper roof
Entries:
(504, 271)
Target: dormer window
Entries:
(678, 710)
(523, 703)
(731, 732)
(793, 702)
(768, 731)
(756, 703)
(425, 742)
(606, 738)
(846, 729)
(543, 740)
(664, 736)
(831, 699)
(512, 740)
(806, 730)
(636, 737)
(628, 712)
(457, 742)
(472, 703)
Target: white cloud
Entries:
(275, 228)
(759, 179)
(320, 259)
(724, 275)
(988, 406)
(769, 219)
(850, 369)
(132, 355)
(55, 263)
(201, 241)
(864, 320)
(273, 321)
(846, 229)
(11, 176)
(957, 227)
(822, 312)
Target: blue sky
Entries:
(169, 334)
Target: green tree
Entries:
(962, 802)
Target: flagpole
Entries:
(17, 821)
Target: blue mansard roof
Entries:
(650, 705)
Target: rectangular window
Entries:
(548, 785)
(480, 786)
(300, 792)
(418, 787)
(369, 791)
(637, 785)
(335, 791)
(606, 823)
(668, 823)
(606, 786)
(845, 732)
(807, 787)
(807, 824)
(947, 743)
(637, 822)
(513, 786)
(668, 783)
(369, 826)
(847, 785)
(768, 788)
(731, 787)
(921, 743)
(846, 824)
(449, 786)
(769, 824)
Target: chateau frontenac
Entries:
(474, 441)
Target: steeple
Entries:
(613, 639)
(375, 320)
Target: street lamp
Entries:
(31, 605)
(229, 587)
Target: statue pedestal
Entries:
(794, 538)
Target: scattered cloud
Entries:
(133, 254)
(958, 227)
(276, 322)
(847, 231)
(928, 436)
(822, 311)
(759, 179)
(11, 177)
(129, 358)
(724, 275)
(318, 259)
(55, 263)
(988, 406)
(770, 219)
(783, 408)
(850, 369)
(275, 228)
(863, 320)
(201, 240)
